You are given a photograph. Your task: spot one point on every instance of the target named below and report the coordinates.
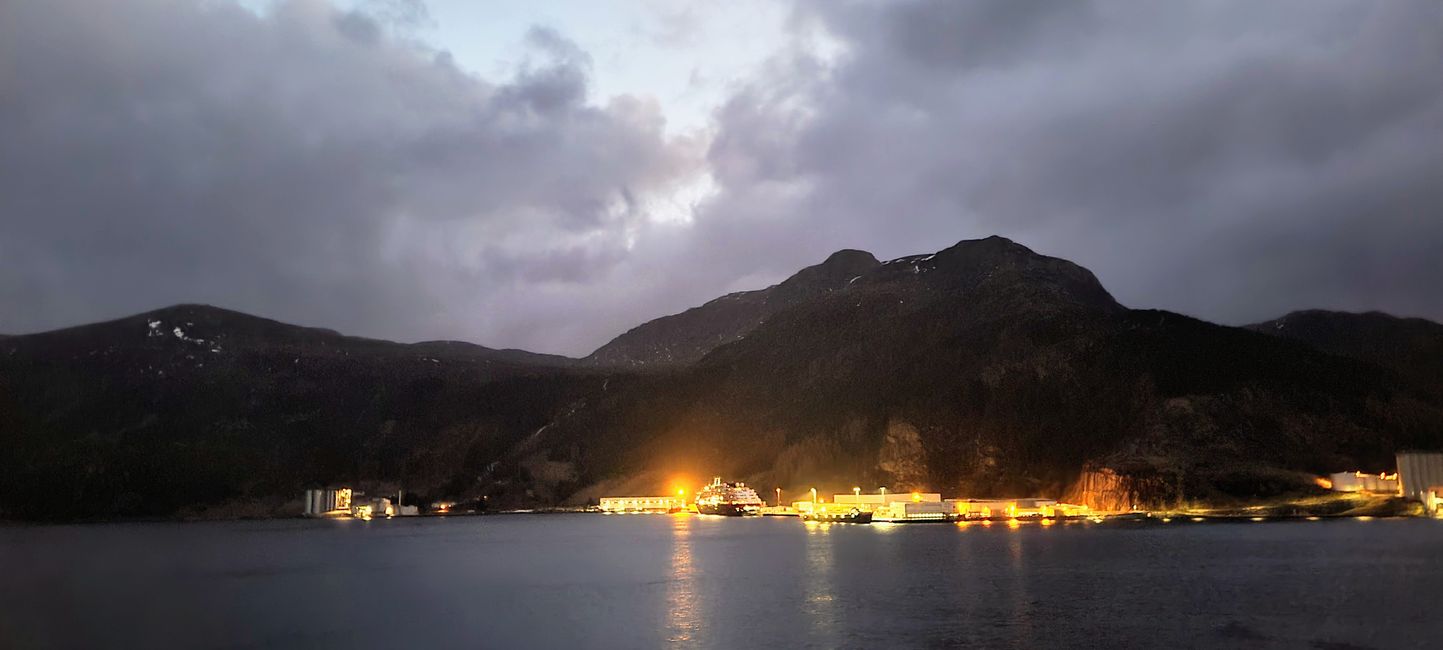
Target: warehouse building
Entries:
(320, 503)
(914, 511)
(642, 504)
(1360, 482)
(874, 501)
(1420, 476)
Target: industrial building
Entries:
(1360, 482)
(1420, 476)
(367, 508)
(914, 511)
(897, 507)
(320, 503)
(642, 504)
(1015, 508)
(874, 501)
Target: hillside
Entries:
(195, 406)
(987, 369)
(984, 369)
(1411, 346)
(684, 338)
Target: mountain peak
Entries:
(850, 257)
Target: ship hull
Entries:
(725, 510)
(840, 518)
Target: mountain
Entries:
(990, 370)
(1411, 346)
(195, 406)
(984, 369)
(684, 338)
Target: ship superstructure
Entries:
(730, 499)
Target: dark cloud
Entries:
(310, 164)
(1230, 160)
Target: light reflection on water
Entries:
(648, 581)
(821, 598)
(1021, 602)
(681, 594)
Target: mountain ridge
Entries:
(983, 369)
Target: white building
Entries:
(1360, 482)
(874, 501)
(1014, 508)
(914, 511)
(320, 503)
(642, 504)
(1420, 473)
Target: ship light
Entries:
(916, 497)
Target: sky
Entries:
(547, 175)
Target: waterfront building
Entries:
(1015, 508)
(642, 504)
(875, 501)
(1360, 482)
(914, 511)
(1418, 472)
(370, 507)
(320, 503)
(1433, 501)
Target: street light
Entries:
(856, 491)
(884, 493)
(779, 497)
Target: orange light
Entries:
(916, 497)
(1323, 483)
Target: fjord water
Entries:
(630, 581)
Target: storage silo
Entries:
(1418, 472)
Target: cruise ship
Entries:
(729, 499)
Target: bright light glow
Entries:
(1323, 483)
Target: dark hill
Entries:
(984, 369)
(987, 369)
(195, 406)
(684, 338)
(1411, 346)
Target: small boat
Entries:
(852, 516)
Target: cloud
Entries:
(309, 164)
(1230, 160)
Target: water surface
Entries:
(636, 581)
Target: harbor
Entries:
(1414, 489)
(723, 498)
